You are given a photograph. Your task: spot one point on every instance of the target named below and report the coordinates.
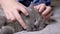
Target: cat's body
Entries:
(34, 22)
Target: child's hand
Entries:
(11, 8)
(44, 10)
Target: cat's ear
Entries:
(31, 6)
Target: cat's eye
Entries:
(35, 20)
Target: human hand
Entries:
(44, 10)
(11, 8)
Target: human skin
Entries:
(44, 10)
(12, 7)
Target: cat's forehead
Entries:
(33, 12)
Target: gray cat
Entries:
(34, 22)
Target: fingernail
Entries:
(39, 10)
(27, 14)
(25, 27)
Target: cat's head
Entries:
(33, 17)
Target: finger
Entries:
(47, 16)
(37, 7)
(12, 18)
(41, 8)
(47, 11)
(7, 15)
(19, 19)
(23, 10)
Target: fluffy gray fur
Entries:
(34, 22)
